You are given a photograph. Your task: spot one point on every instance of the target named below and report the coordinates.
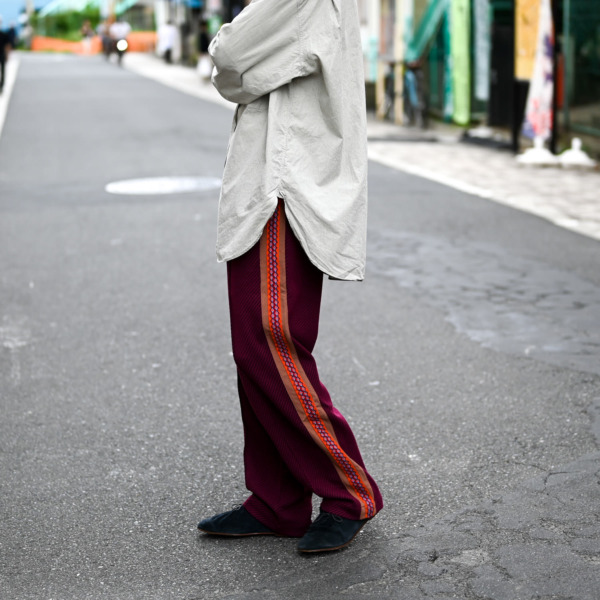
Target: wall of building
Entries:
(495, 96)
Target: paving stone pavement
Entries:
(569, 198)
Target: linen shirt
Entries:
(295, 69)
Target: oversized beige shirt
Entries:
(295, 68)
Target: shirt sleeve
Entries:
(262, 49)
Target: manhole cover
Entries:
(163, 185)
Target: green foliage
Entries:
(67, 25)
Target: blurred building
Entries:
(468, 61)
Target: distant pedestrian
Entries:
(203, 38)
(293, 207)
(87, 33)
(5, 48)
(204, 62)
(167, 38)
(119, 30)
(102, 31)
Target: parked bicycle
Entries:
(389, 94)
(415, 97)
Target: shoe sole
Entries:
(314, 551)
(239, 534)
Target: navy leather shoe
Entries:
(330, 532)
(236, 523)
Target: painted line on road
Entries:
(10, 76)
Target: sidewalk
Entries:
(568, 198)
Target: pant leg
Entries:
(278, 499)
(275, 295)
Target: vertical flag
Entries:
(538, 112)
(448, 89)
(527, 20)
(481, 16)
(460, 40)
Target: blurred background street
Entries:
(467, 362)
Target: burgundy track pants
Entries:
(296, 442)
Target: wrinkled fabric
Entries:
(295, 69)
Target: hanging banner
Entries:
(538, 112)
(460, 39)
(481, 16)
(527, 18)
(214, 5)
(448, 97)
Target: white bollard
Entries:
(575, 157)
(538, 155)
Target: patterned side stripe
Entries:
(301, 389)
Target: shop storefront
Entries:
(475, 60)
(581, 55)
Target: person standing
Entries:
(204, 66)
(119, 30)
(5, 47)
(87, 33)
(167, 38)
(293, 207)
(102, 31)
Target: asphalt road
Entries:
(468, 364)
